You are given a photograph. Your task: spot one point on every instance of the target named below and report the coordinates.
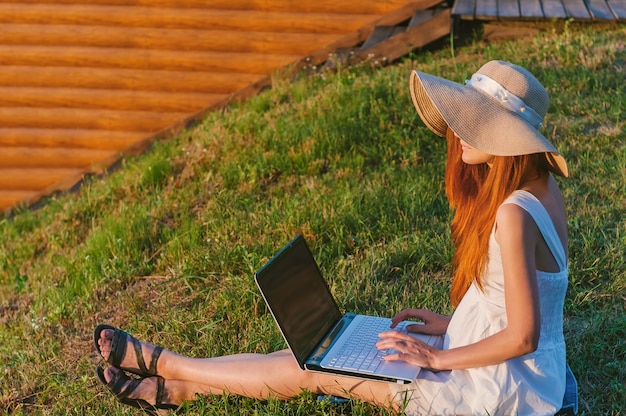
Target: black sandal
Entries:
(116, 385)
(118, 351)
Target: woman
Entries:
(503, 348)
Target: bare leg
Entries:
(261, 376)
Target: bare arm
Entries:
(517, 236)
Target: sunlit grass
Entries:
(166, 245)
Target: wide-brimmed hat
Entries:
(498, 111)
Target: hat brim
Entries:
(478, 119)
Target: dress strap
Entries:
(542, 218)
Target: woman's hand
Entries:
(431, 323)
(409, 349)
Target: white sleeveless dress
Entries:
(533, 384)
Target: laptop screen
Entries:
(299, 298)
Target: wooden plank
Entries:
(376, 7)
(530, 9)
(576, 9)
(464, 9)
(106, 99)
(508, 9)
(28, 157)
(33, 179)
(169, 39)
(397, 16)
(486, 9)
(87, 119)
(553, 8)
(10, 198)
(70, 137)
(599, 10)
(414, 37)
(619, 8)
(170, 18)
(85, 56)
(125, 79)
(380, 34)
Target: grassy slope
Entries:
(166, 245)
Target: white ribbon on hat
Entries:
(506, 98)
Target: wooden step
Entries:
(84, 98)
(381, 34)
(158, 38)
(430, 26)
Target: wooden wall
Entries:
(84, 81)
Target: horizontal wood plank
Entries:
(376, 7)
(12, 198)
(84, 98)
(133, 58)
(29, 157)
(124, 79)
(171, 18)
(87, 119)
(169, 39)
(34, 179)
(70, 138)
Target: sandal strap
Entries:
(160, 390)
(156, 353)
(117, 384)
(139, 356)
(118, 347)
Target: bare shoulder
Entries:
(513, 219)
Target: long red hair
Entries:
(475, 192)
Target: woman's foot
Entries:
(115, 346)
(146, 393)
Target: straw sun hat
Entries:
(498, 111)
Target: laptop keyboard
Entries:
(359, 351)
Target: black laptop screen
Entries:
(298, 297)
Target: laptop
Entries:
(315, 330)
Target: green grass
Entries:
(166, 245)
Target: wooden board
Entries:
(619, 8)
(576, 10)
(531, 9)
(579, 10)
(486, 8)
(508, 9)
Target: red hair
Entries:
(475, 192)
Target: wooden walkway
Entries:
(580, 10)
(83, 82)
